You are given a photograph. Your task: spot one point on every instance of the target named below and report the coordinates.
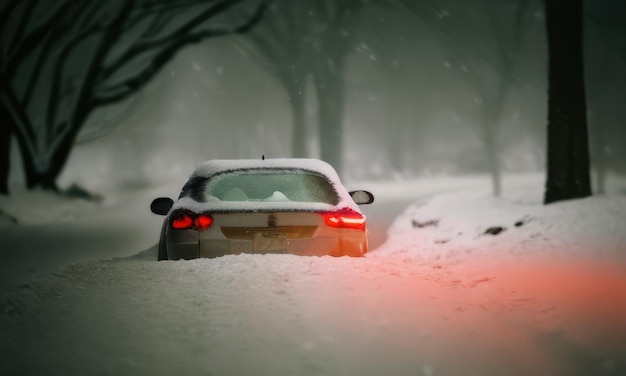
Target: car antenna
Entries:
(263, 157)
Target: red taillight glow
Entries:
(202, 222)
(186, 221)
(182, 222)
(345, 218)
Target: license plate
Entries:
(270, 241)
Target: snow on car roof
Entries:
(215, 166)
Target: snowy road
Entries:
(546, 298)
(52, 236)
(284, 315)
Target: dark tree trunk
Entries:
(60, 155)
(298, 131)
(50, 44)
(28, 164)
(601, 173)
(597, 145)
(43, 172)
(46, 178)
(6, 131)
(330, 93)
(492, 119)
(568, 150)
(493, 159)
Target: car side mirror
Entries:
(161, 205)
(362, 197)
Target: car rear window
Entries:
(262, 185)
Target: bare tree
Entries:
(301, 41)
(5, 149)
(333, 42)
(484, 40)
(281, 44)
(568, 150)
(60, 61)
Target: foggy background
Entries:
(420, 81)
(385, 90)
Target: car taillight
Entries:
(202, 222)
(182, 222)
(345, 218)
(185, 221)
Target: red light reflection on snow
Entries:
(586, 298)
(482, 316)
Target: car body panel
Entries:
(244, 221)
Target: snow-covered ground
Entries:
(465, 284)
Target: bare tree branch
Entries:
(87, 17)
(125, 88)
(55, 96)
(175, 37)
(49, 42)
(30, 41)
(19, 114)
(19, 30)
(5, 13)
(501, 47)
(84, 104)
(522, 24)
(39, 49)
(37, 68)
(159, 21)
(162, 13)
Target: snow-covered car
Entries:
(295, 206)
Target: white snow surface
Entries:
(440, 297)
(215, 166)
(269, 204)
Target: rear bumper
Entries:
(355, 246)
(302, 247)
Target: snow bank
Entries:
(41, 207)
(452, 226)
